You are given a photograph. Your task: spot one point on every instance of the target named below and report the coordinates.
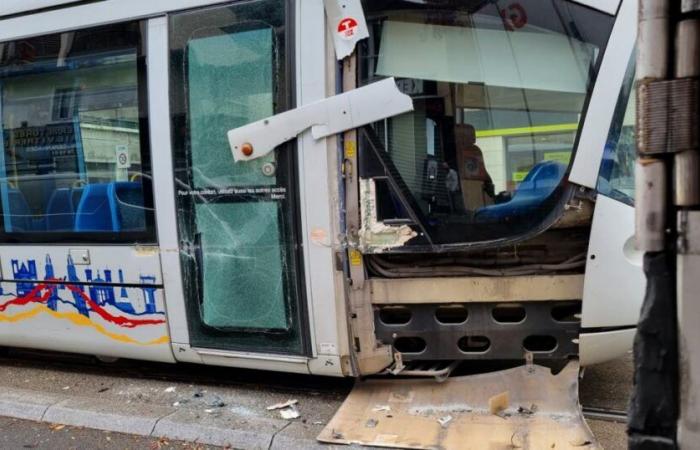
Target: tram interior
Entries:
(71, 159)
(495, 121)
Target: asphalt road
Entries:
(208, 393)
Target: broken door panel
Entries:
(231, 84)
(525, 407)
(242, 266)
(236, 220)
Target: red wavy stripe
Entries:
(118, 320)
(32, 297)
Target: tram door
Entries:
(236, 221)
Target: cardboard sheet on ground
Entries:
(534, 410)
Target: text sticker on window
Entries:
(347, 24)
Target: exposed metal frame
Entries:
(505, 341)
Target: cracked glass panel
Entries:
(235, 219)
(242, 265)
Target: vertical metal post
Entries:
(687, 178)
(653, 407)
(665, 407)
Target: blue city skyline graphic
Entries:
(100, 286)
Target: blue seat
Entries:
(20, 214)
(113, 207)
(60, 212)
(76, 195)
(93, 212)
(128, 206)
(531, 193)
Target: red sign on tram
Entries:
(347, 28)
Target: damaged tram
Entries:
(287, 185)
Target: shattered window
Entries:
(235, 219)
(74, 164)
(499, 90)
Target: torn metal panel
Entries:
(353, 109)
(376, 236)
(533, 409)
(577, 213)
(347, 24)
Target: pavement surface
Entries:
(62, 402)
(25, 434)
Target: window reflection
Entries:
(71, 134)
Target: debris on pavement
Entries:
(289, 413)
(372, 423)
(286, 404)
(527, 411)
(169, 390)
(216, 402)
(381, 408)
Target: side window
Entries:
(616, 177)
(74, 161)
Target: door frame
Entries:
(321, 283)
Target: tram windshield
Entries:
(499, 90)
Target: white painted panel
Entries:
(122, 264)
(614, 285)
(608, 6)
(606, 91)
(315, 186)
(596, 348)
(50, 318)
(326, 117)
(8, 7)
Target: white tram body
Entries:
(492, 220)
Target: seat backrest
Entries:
(127, 208)
(20, 216)
(60, 213)
(93, 212)
(76, 194)
(542, 179)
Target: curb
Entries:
(159, 422)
